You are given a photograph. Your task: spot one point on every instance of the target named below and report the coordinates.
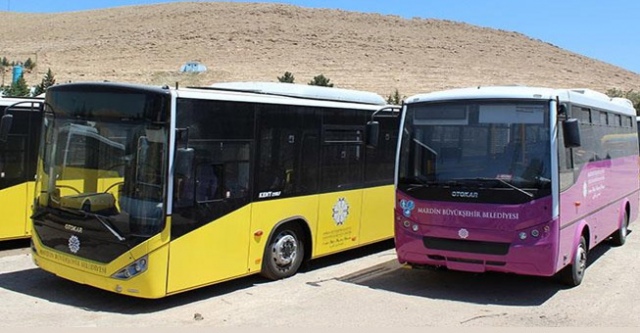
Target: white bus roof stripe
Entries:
(304, 91)
(580, 96)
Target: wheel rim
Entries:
(284, 249)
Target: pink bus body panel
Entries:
(486, 237)
(598, 200)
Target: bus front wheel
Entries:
(573, 274)
(284, 253)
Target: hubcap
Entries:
(285, 249)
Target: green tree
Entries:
(47, 81)
(18, 89)
(633, 96)
(395, 98)
(286, 78)
(321, 80)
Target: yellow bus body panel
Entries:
(233, 246)
(148, 284)
(338, 222)
(215, 252)
(15, 211)
(267, 214)
(377, 214)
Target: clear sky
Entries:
(605, 30)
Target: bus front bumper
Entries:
(96, 275)
(526, 257)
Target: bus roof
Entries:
(582, 96)
(266, 92)
(303, 91)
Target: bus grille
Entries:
(469, 246)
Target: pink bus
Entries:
(514, 179)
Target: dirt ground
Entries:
(363, 288)
(259, 42)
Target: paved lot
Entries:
(362, 288)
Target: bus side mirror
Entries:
(5, 126)
(372, 133)
(571, 131)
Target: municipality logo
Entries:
(407, 206)
(74, 244)
(340, 211)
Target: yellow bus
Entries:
(151, 191)
(18, 154)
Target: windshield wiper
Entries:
(416, 183)
(109, 227)
(105, 222)
(530, 195)
(414, 186)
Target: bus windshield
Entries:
(105, 172)
(501, 145)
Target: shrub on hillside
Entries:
(321, 80)
(286, 78)
(395, 98)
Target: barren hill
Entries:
(254, 41)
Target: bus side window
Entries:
(14, 152)
(184, 178)
(207, 182)
(236, 179)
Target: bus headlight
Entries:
(535, 233)
(132, 270)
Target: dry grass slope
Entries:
(254, 41)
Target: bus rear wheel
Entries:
(573, 274)
(620, 236)
(284, 253)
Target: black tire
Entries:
(573, 274)
(284, 253)
(619, 237)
